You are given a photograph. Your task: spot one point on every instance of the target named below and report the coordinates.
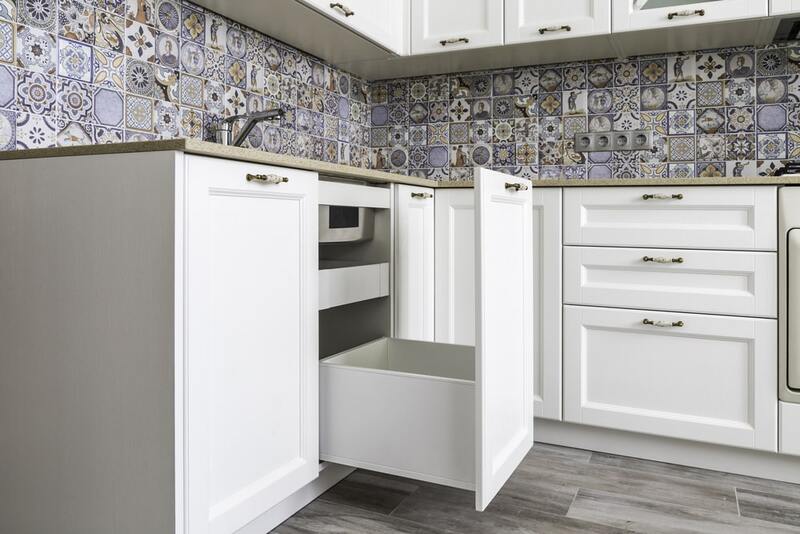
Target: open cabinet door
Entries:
(504, 336)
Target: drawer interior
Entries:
(414, 357)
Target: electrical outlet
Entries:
(622, 140)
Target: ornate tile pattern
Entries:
(101, 71)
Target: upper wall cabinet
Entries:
(534, 20)
(443, 25)
(784, 7)
(657, 14)
(382, 21)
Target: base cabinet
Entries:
(451, 414)
(251, 329)
(784, 7)
(696, 377)
(790, 428)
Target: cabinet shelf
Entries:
(345, 282)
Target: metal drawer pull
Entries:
(421, 195)
(346, 11)
(659, 259)
(688, 13)
(663, 324)
(659, 196)
(564, 28)
(516, 187)
(455, 40)
(267, 178)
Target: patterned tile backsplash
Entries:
(104, 71)
(714, 113)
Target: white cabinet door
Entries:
(656, 14)
(547, 302)
(414, 262)
(444, 25)
(697, 377)
(790, 428)
(784, 7)
(383, 21)
(251, 340)
(534, 20)
(504, 340)
(455, 266)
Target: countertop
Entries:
(204, 148)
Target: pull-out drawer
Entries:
(697, 377)
(732, 218)
(727, 283)
(342, 282)
(401, 407)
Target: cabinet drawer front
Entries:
(735, 218)
(727, 283)
(711, 379)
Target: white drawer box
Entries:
(401, 407)
(342, 283)
(731, 217)
(702, 281)
(711, 379)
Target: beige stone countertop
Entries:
(650, 182)
(204, 148)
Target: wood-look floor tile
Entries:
(453, 511)
(783, 509)
(654, 486)
(653, 517)
(372, 491)
(322, 517)
(695, 473)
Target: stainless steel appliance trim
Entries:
(363, 232)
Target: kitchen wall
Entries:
(104, 71)
(715, 113)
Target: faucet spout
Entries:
(224, 128)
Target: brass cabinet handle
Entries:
(421, 195)
(267, 178)
(346, 11)
(662, 260)
(659, 196)
(455, 40)
(516, 187)
(663, 324)
(564, 28)
(687, 13)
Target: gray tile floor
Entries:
(559, 490)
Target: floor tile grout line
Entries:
(738, 507)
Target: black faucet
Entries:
(224, 128)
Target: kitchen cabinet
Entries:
(790, 428)
(180, 353)
(734, 218)
(445, 25)
(547, 273)
(383, 21)
(455, 266)
(688, 376)
(784, 7)
(632, 15)
(699, 281)
(251, 371)
(443, 413)
(533, 20)
(414, 262)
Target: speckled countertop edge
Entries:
(204, 148)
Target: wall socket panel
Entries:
(607, 141)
